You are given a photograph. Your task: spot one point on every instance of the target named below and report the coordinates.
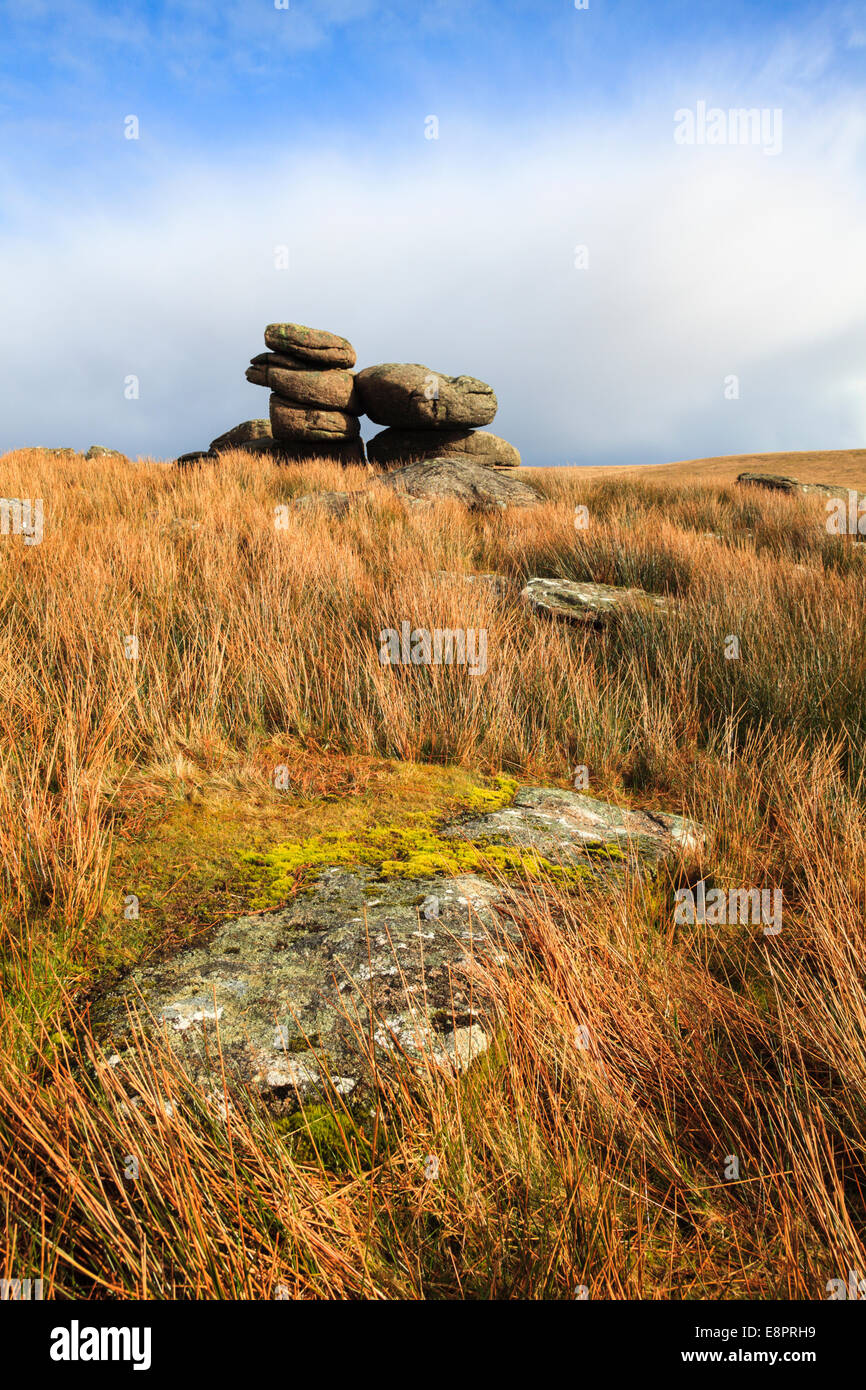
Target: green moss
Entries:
(394, 852)
(185, 862)
(502, 793)
(611, 851)
(330, 1139)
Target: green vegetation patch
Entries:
(396, 852)
(327, 1138)
(197, 854)
(502, 793)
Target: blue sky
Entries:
(305, 127)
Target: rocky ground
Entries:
(368, 964)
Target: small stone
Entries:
(98, 451)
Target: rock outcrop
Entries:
(427, 481)
(313, 408)
(588, 604)
(429, 415)
(313, 397)
(360, 970)
(404, 446)
(316, 401)
(478, 487)
(776, 482)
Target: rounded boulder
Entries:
(333, 388)
(411, 396)
(241, 434)
(293, 422)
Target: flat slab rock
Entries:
(294, 990)
(332, 389)
(297, 422)
(425, 482)
(776, 482)
(571, 828)
(405, 445)
(313, 346)
(587, 603)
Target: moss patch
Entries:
(328, 1138)
(195, 849)
(394, 852)
(502, 793)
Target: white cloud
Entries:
(703, 262)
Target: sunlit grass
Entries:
(558, 1166)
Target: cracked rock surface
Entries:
(572, 828)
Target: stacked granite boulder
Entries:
(313, 408)
(430, 415)
(316, 400)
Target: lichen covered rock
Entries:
(586, 603)
(380, 954)
(297, 993)
(334, 389)
(292, 423)
(480, 446)
(407, 394)
(573, 828)
(313, 345)
(479, 488)
(245, 433)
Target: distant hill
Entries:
(846, 466)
